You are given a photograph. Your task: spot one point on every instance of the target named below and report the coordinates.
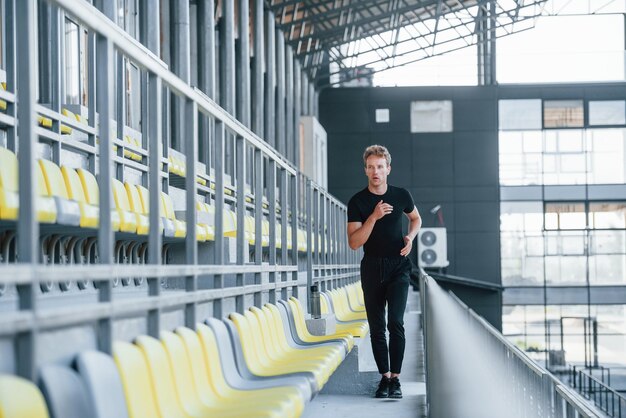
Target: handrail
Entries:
(468, 361)
(466, 281)
(612, 408)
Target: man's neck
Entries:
(382, 189)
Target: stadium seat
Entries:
(89, 214)
(140, 396)
(65, 392)
(209, 378)
(92, 194)
(19, 398)
(68, 211)
(103, 384)
(180, 227)
(128, 221)
(136, 207)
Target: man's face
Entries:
(377, 170)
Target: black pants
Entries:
(385, 281)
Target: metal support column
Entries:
(218, 281)
(284, 226)
(104, 98)
(242, 241)
(181, 54)
(258, 221)
(297, 111)
(227, 56)
(308, 193)
(257, 69)
(155, 240)
(270, 62)
(289, 122)
(280, 92)
(206, 72)
(27, 225)
(293, 181)
(271, 196)
(243, 67)
(304, 85)
(191, 187)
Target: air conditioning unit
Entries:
(432, 248)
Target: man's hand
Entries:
(408, 244)
(381, 210)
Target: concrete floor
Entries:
(413, 387)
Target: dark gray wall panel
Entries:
(477, 255)
(476, 158)
(477, 216)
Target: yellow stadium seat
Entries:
(250, 229)
(208, 377)
(144, 197)
(68, 211)
(180, 227)
(66, 130)
(44, 121)
(89, 214)
(265, 227)
(206, 219)
(230, 223)
(262, 362)
(136, 381)
(143, 223)
(20, 398)
(92, 194)
(9, 199)
(3, 103)
(128, 222)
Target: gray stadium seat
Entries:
(65, 392)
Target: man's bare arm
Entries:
(415, 222)
(358, 233)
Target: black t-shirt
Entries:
(387, 237)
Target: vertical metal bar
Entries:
(181, 67)
(105, 57)
(218, 283)
(317, 231)
(257, 69)
(309, 231)
(280, 92)
(295, 215)
(289, 121)
(151, 25)
(305, 94)
(155, 240)
(324, 234)
(243, 87)
(191, 187)
(27, 226)
(284, 224)
(258, 220)
(206, 72)
(311, 98)
(11, 23)
(297, 106)
(227, 56)
(242, 240)
(271, 195)
(270, 63)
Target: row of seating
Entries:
(263, 363)
(70, 196)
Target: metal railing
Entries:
(603, 396)
(472, 370)
(270, 275)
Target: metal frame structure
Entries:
(182, 274)
(335, 38)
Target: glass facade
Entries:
(567, 238)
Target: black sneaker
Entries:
(383, 388)
(394, 388)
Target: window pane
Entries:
(72, 65)
(563, 114)
(519, 114)
(607, 215)
(607, 112)
(431, 116)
